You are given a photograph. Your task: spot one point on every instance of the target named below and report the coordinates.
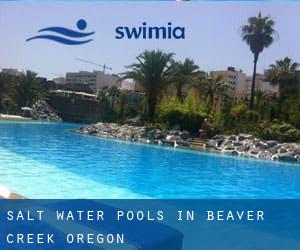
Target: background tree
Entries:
(184, 73)
(153, 71)
(28, 89)
(216, 89)
(114, 92)
(10, 100)
(258, 34)
(103, 96)
(283, 75)
(200, 84)
(3, 82)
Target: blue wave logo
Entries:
(65, 35)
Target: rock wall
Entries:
(41, 110)
(249, 146)
(240, 145)
(136, 133)
(74, 109)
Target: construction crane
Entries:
(104, 66)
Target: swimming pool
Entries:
(49, 160)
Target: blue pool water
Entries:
(48, 160)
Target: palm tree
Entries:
(2, 88)
(123, 103)
(258, 34)
(29, 89)
(261, 99)
(153, 72)
(200, 84)
(7, 91)
(184, 73)
(113, 92)
(283, 75)
(102, 95)
(216, 88)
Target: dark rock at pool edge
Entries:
(241, 144)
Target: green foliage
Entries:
(103, 96)
(218, 122)
(258, 33)
(209, 96)
(114, 92)
(153, 71)
(128, 106)
(282, 132)
(294, 113)
(187, 115)
(192, 102)
(19, 91)
(184, 73)
(9, 106)
(243, 119)
(283, 74)
(28, 89)
(216, 89)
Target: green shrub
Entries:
(185, 119)
(282, 132)
(243, 119)
(186, 115)
(294, 113)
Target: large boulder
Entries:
(41, 110)
(136, 121)
(218, 137)
(288, 156)
(242, 137)
(185, 135)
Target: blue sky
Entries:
(212, 34)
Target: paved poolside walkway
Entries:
(14, 118)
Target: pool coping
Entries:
(14, 118)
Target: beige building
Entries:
(96, 80)
(131, 86)
(240, 83)
(261, 84)
(236, 79)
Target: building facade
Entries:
(240, 83)
(261, 84)
(96, 80)
(236, 80)
(12, 71)
(60, 80)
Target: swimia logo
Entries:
(65, 35)
(150, 32)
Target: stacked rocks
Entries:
(249, 146)
(137, 133)
(241, 144)
(41, 110)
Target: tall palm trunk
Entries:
(113, 99)
(253, 82)
(152, 100)
(179, 92)
(211, 98)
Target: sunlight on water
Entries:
(28, 177)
